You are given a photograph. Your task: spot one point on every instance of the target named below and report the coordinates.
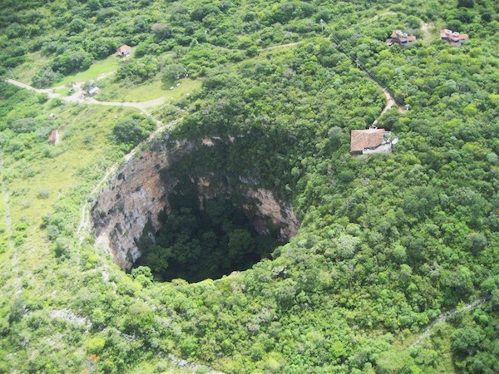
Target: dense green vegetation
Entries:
(388, 243)
(129, 132)
(195, 244)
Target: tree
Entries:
(138, 70)
(24, 125)
(465, 340)
(161, 31)
(156, 258)
(477, 241)
(62, 247)
(347, 245)
(71, 61)
(143, 275)
(45, 77)
(129, 131)
(94, 4)
(465, 3)
(102, 47)
(240, 245)
(395, 362)
(172, 72)
(77, 25)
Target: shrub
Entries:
(132, 131)
(43, 193)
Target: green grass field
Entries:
(85, 134)
(97, 68)
(26, 71)
(52, 179)
(35, 61)
(148, 91)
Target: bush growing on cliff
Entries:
(130, 132)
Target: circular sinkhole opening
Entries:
(206, 237)
(186, 211)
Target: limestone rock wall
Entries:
(281, 214)
(129, 205)
(133, 198)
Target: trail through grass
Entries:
(99, 67)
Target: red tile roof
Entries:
(123, 48)
(362, 139)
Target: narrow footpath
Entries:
(8, 229)
(445, 316)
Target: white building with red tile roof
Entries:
(124, 50)
(370, 141)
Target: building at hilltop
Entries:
(93, 91)
(124, 50)
(453, 37)
(372, 140)
(403, 39)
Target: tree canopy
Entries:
(395, 265)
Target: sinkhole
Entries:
(191, 210)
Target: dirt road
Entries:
(78, 97)
(48, 91)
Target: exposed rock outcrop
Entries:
(129, 206)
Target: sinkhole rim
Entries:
(138, 191)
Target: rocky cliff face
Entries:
(129, 206)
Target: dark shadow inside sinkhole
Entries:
(206, 237)
(196, 209)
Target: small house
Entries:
(400, 37)
(124, 50)
(53, 137)
(454, 38)
(372, 140)
(93, 91)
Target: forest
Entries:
(395, 267)
(195, 244)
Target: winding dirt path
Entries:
(48, 91)
(281, 46)
(445, 316)
(77, 97)
(8, 228)
(426, 28)
(372, 19)
(390, 102)
(142, 105)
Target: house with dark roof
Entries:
(372, 140)
(400, 37)
(124, 50)
(454, 38)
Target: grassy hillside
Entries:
(395, 266)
